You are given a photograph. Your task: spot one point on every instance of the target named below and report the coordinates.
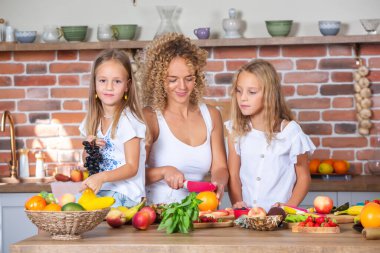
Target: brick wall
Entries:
(47, 91)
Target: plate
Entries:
(222, 224)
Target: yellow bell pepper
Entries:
(90, 201)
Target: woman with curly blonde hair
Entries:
(186, 139)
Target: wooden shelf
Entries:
(277, 41)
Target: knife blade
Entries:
(195, 186)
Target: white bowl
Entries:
(26, 36)
(370, 25)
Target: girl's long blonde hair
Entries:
(275, 108)
(95, 108)
(158, 55)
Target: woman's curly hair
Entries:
(158, 55)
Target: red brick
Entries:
(38, 105)
(347, 155)
(19, 118)
(76, 67)
(67, 55)
(342, 77)
(223, 78)
(339, 115)
(370, 49)
(39, 118)
(317, 129)
(347, 102)
(376, 114)
(63, 117)
(375, 101)
(72, 105)
(306, 64)
(85, 80)
(283, 64)
(235, 53)
(269, 51)
(337, 64)
(7, 105)
(36, 68)
(70, 131)
(374, 63)
(340, 50)
(69, 92)
(375, 88)
(308, 116)
(88, 55)
(37, 93)
(68, 80)
(345, 128)
(337, 89)
(214, 66)
(38, 130)
(5, 81)
(344, 142)
(307, 90)
(315, 103)
(11, 68)
(356, 168)
(288, 90)
(316, 141)
(235, 65)
(304, 51)
(34, 56)
(5, 56)
(321, 154)
(12, 93)
(213, 91)
(366, 154)
(374, 76)
(31, 80)
(306, 77)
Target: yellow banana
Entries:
(357, 219)
(353, 210)
(130, 212)
(293, 210)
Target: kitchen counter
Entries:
(368, 183)
(234, 239)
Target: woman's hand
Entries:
(240, 204)
(98, 142)
(173, 177)
(278, 204)
(94, 182)
(219, 190)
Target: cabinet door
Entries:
(14, 224)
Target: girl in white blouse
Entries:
(267, 157)
(115, 121)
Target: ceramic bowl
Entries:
(240, 212)
(74, 33)
(124, 32)
(370, 25)
(329, 28)
(278, 28)
(26, 36)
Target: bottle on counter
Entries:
(2, 29)
(40, 160)
(9, 34)
(23, 163)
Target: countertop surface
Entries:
(234, 239)
(357, 184)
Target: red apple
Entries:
(76, 175)
(257, 212)
(323, 204)
(141, 220)
(150, 211)
(115, 218)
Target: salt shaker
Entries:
(40, 164)
(2, 27)
(24, 162)
(9, 34)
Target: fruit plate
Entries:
(318, 230)
(222, 224)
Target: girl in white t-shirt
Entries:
(115, 121)
(267, 157)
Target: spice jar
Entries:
(23, 163)
(40, 157)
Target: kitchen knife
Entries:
(194, 186)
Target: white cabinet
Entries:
(14, 224)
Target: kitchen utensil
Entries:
(51, 33)
(342, 219)
(370, 25)
(202, 33)
(74, 33)
(124, 32)
(105, 33)
(329, 28)
(278, 28)
(194, 186)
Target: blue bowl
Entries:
(26, 36)
(329, 28)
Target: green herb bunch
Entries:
(179, 217)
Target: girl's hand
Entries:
(219, 191)
(98, 142)
(240, 204)
(94, 182)
(278, 204)
(173, 177)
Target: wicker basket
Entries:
(267, 223)
(67, 225)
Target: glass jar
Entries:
(167, 24)
(23, 163)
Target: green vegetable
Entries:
(291, 218)
(179, 217)
(343, 207)
(43, 194)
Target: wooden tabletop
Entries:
(104, 239)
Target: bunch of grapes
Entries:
(94, 157)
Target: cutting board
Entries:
(223, 224)
(318, 230)
(342, 219)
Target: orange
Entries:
(209, 201)
(52, 207)
(313, 165)
(370, 215)
(340, 167)
(35, 203)
(329, 161)
(325, 168)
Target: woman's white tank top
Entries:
(167, 150)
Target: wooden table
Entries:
(104, 239)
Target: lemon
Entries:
(325, 168)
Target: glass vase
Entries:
(167, 24)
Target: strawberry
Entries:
(309, 219)
(325, 224)
(320, 220)
(309, 224)
(302, 224)
(332, 224)
(317, 225)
